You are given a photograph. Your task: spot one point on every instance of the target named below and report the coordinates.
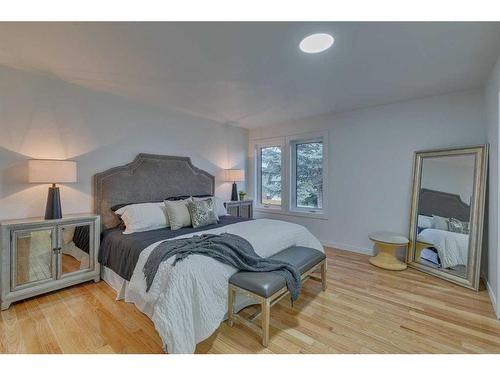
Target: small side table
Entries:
(387, 244)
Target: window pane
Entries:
(270, 172)
(309, 174)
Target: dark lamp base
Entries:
(53, 208)
(234, 194)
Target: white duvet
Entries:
(188, 302)
(452, 247)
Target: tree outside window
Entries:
(309, 174)
(270, 168)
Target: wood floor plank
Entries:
(10, 332)
(43, 330)
(364, 310)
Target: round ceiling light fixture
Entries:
(316, 43)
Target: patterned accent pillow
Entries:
(202, 213)
(220, 209)
(457, 226)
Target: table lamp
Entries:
(52, 172)
(235, 175)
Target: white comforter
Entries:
(452, 247)
(188, 302)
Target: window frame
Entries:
(288, 189)
(258, 145)
(292, 143)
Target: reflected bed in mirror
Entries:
(75, 248)
(443, 231)
(447, 213)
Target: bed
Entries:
(451, 247)
(188, 302)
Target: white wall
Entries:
(371, 155)
(492, 104)
(44, 117)
(454, 174)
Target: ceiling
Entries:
(253, 74)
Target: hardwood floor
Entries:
(364, 310)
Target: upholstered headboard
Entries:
(148, 178)
(433, 202)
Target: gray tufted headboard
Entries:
(148, 178)
(433, 202)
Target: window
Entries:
(270, 176)
(291, 174)
(307, 185)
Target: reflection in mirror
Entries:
(75, 248)
(444, 208)
(447, 213)
(33, 260)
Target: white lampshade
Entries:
(233, 175)
(51, 171)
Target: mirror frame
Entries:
(476, 216)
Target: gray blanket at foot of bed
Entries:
(226, 248)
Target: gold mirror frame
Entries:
(476, 217)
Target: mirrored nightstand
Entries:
(240, 208)
(40, 256)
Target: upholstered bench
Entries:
(269, 288)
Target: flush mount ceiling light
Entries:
(316, 43)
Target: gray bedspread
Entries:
(226, 248)
(120, 252)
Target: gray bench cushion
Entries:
(265, 284)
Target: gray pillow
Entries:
(202, 213)
(440, 222)
(178, 214)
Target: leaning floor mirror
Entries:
(447, 213)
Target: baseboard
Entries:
(354, 249)
(493, 298)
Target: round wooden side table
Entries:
(387, 244)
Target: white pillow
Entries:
(424, 221)
(178, 213)
(220, 209)
(142, 217)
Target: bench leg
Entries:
(323, 276)
(230, 304)
(266, 312)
